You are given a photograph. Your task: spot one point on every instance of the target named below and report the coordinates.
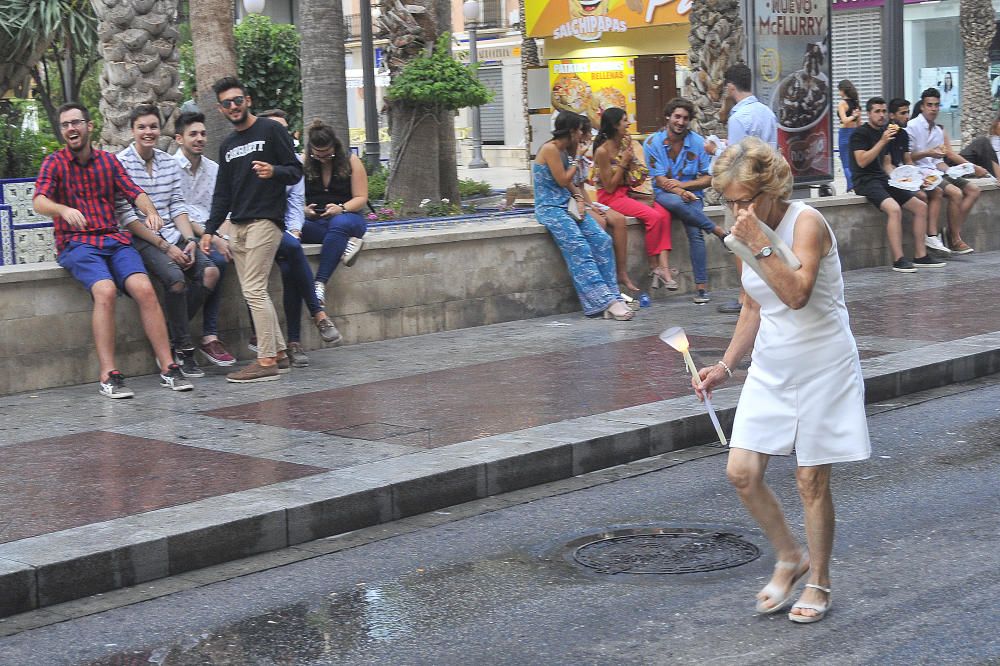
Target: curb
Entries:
(91, 559)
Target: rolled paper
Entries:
(677, 338)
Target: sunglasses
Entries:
(234, 101)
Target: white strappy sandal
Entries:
(772, 591)
(821, 610)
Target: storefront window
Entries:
(933, 54)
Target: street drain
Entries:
(669, 550)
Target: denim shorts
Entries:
(90, 264)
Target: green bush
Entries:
(21, 151)
(267, 55)
(376, 183)
(468, 187)
(438, 80)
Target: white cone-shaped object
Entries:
(676, 338)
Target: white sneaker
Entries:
(320, 289)
(351, 251)
(115, 387)
(174, 379)
(934, 243)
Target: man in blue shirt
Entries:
(748, 117)
(679, 167)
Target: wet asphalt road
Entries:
(915, 578)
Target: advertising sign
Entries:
(945, 79)
(588, 20)
(792, 76)
(588, 86)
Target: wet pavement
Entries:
(121, 492)
(914, 573)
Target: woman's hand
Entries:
(311, 213)
(710, 377)
(745, 229)
(333, 209)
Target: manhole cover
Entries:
(671, 550)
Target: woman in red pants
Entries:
(614, 157)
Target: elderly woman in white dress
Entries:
(804, 391)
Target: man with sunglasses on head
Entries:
(76, 187)
(256, 163)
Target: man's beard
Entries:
(241, 119)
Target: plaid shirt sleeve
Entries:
(45, 184)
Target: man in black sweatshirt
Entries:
(256, 162)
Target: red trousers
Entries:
(656, 218)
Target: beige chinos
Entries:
(254, 246)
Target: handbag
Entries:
(573, 208)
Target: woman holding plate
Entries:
(804, 391)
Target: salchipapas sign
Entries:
(792, 76)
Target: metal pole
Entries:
(477, 161)
(373, 148)
(892, 42)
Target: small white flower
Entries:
(424, 202)
(445, 201)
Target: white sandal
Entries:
(821, 610)
(774, 591)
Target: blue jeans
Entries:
(333, 233)
(297, 283)
(210, 312)
(844, 146)
(691, 213)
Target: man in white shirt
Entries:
(198, 174)
(931, 149)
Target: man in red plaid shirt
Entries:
(76, 187)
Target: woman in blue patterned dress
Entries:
(586, 247)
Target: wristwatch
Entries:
(765, 251)
(191, 239)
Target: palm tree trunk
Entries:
(139, 46)
(977, 27)
(529, 58)
(716, 39)
(214, 57)
(447, 145)
(324, 85)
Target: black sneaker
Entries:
(173, 379)
(927, 262)
(189, 367)
(701, 297)
(114, 388)
(731, 307)
(903, 265)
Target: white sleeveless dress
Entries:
(804, 391)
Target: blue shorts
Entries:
(90, 264)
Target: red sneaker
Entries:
(217, 354)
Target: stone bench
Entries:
(407, 281)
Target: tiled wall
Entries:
(25, 237)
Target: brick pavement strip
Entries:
(915, 333)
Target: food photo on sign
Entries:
(792, 76)
(592, 85)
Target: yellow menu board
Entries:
(588, 86)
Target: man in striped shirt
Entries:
(76, 187)
(171, 255)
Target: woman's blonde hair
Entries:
(754, 163)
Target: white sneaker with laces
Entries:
(320, 289)
(174, 379)
(351, 251)
(934, 243)
(114, 388)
